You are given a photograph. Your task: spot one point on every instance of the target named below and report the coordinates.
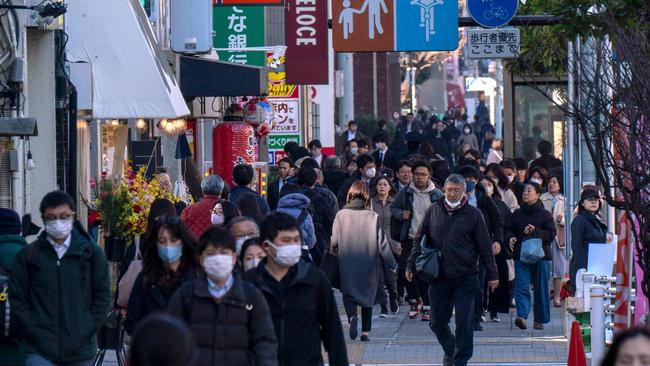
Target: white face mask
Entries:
(467, 130)
(218, 266)
(251, 263)
(287, 255)
(452, 204)
(510, 178)
(217, 219)
(354, 150)
(538, 181)
(240, 242)
(370, 173)
(489, 190)
(58, 229)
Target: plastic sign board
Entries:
(306, 38)
(493, 43)
(492, 13)
(395, 25)
(287, 116)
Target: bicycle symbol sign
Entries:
(492, 13)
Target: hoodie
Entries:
(293, 204)
(421, 202)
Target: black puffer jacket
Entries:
(585, 229)
(491, 214)
(537, 216)
(235, 330)
(461, 236)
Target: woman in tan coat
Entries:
(553, 201)
(361, 245)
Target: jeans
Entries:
(445, 295)
(537, 274)
(351, 310)
(38, 360)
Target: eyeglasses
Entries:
(65, 216)
(170, 219)
(454, 190)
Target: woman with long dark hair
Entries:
(362, 246)
(222, 212)
(169, 262)
(508, 196)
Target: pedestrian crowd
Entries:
(433, 217)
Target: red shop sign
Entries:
(305, 31)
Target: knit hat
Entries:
(9, 222)
(589, 193)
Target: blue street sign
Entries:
(426, 25)
(492, 13)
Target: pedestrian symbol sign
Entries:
(492, 13)
(395, 25)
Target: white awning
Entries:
(130, 75)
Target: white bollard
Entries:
(597, 324)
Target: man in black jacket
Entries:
(284, 171)
(458, 231)
(321, 211)
(384, 158)
(299, 296)
(546, 159)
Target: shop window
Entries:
(315, 121)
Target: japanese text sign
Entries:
(493, 43)
(239, 27)
(287, 116)
(306, 31)
(395, 25)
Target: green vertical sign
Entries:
(239, 27)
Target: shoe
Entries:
(478, 327)
(425, 315)
(521, 323)
(538, 326)
(384, 312)
(483, 319)
(447, 361)
(364, 338)
(512, 304)
(557, 304)
(394, 306)
(354, 327)
(494, 318)
(415, 310)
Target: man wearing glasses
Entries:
(59, 289)
(457, 230)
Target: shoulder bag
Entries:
(427, 264)
(531, 251)
(126, 283)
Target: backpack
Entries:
(8, 326)
(323, 233)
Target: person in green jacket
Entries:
(60, 289)
(11, 354)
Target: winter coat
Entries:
(60, 304)
(237, 191)
(10, 353)
(548, 162)
(362, 247)
(442, 142)
(468, 139)
(197, 217)
(323, 217)
(537, 216)
(509, 198)
(462, 238)
(389, 159)
(499, 300)
(490, 213)
(404, 202)
(294, 204)
(235, 330)
(145, 300)
(383, 210)
(305, 317)
(547, 200)
(585, 229)
(334, 179)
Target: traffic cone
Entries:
(576, 348)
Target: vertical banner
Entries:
(621, 315)
(306, 39)
(239, 27)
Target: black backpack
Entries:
(8, 326)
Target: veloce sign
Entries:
(306, 39)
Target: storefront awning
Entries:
(10, 126)
(130, 76)
(202, 77)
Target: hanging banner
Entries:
(239, 27)
(621, 315)
(306, 30)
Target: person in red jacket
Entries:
(197, 217)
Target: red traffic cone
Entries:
(576, 348)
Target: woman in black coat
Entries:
(531, 220)
(586, 228)
(499, 300)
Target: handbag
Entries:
(126, 283)
(531, 251)
(330, 267)
(427, 264)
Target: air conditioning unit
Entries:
(191, 26)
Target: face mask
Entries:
(287, 255)
(354, 150)
(470, 186)
(240, 242)
(370, 173)
(217, 219)
(315, 154)
(452, 204)
(510, 178)
(467, 131)
(251, 263)
(170, 253)
(218, 266)
(538, 181)
(58, 229)
(489, 190)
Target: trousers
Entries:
(351, 310)
(537, 274)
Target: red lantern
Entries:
(233, 143)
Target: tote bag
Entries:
(531, 250)
(427, 264)
(126, 283)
